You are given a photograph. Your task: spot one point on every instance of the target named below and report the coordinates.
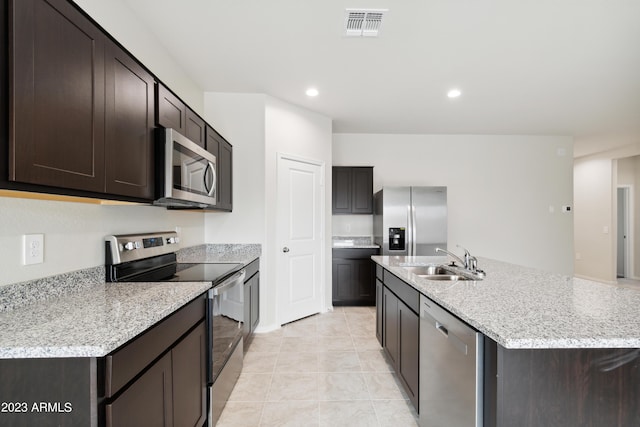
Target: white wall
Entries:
(240, 119)
(123, 24)
(352, 225)
(629, 176)
(594, 219)
(74, 233)
(595, 181)
(500, 188)
(295, 131)
(259, 127)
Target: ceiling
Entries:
(560, 67)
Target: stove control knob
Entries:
(129, 246)
(138, 245)
(171, 240)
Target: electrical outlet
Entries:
(33, 249)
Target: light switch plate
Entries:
(33, 249)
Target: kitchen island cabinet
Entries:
(557, 350)
(401, 333)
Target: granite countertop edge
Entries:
(525, 308)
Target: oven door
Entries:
(225, 315)
(189, 172)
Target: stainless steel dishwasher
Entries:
(451, 380)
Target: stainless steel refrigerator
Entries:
(410, 220)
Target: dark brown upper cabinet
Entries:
(223, 151)
(352, 190)
(57, 90)
(171, 112)
(128, 125)
(81, 108)
(195, 128)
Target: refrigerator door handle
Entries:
(414, 244)
(409, 231)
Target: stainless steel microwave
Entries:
(186, 172)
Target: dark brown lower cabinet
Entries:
(408, 351)
(391, 322)
(172, 392)
(147, 401)
(400, 332)
(156, 379)
(379, 314)
(251, 308)
(251, 302)
(561, 387)
(188, 368)
(353, 276)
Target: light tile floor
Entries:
(324, 370)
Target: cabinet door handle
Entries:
(285, 249)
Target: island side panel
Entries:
(48, 392)
(562, 387)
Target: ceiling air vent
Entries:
(363, 22)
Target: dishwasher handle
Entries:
(442, 329)
(455, 342)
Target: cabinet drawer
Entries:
(405, 292)
(125, 363)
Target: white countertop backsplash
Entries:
(522, 307)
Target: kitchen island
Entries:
(558, 351)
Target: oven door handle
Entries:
(232, 281)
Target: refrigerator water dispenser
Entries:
(397, 239)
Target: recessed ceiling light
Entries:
(454, 93)
(312, 91)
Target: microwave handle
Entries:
(210, 170)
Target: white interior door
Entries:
(300, 271)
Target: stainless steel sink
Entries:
(434, 272)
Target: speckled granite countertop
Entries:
(76, 314)
(355, 242)
(521, 307)
(210, 253)
(93, 322)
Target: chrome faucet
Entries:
(454, 256)
(469, 263)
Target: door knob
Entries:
(285, 249)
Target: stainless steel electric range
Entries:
(151, 257)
